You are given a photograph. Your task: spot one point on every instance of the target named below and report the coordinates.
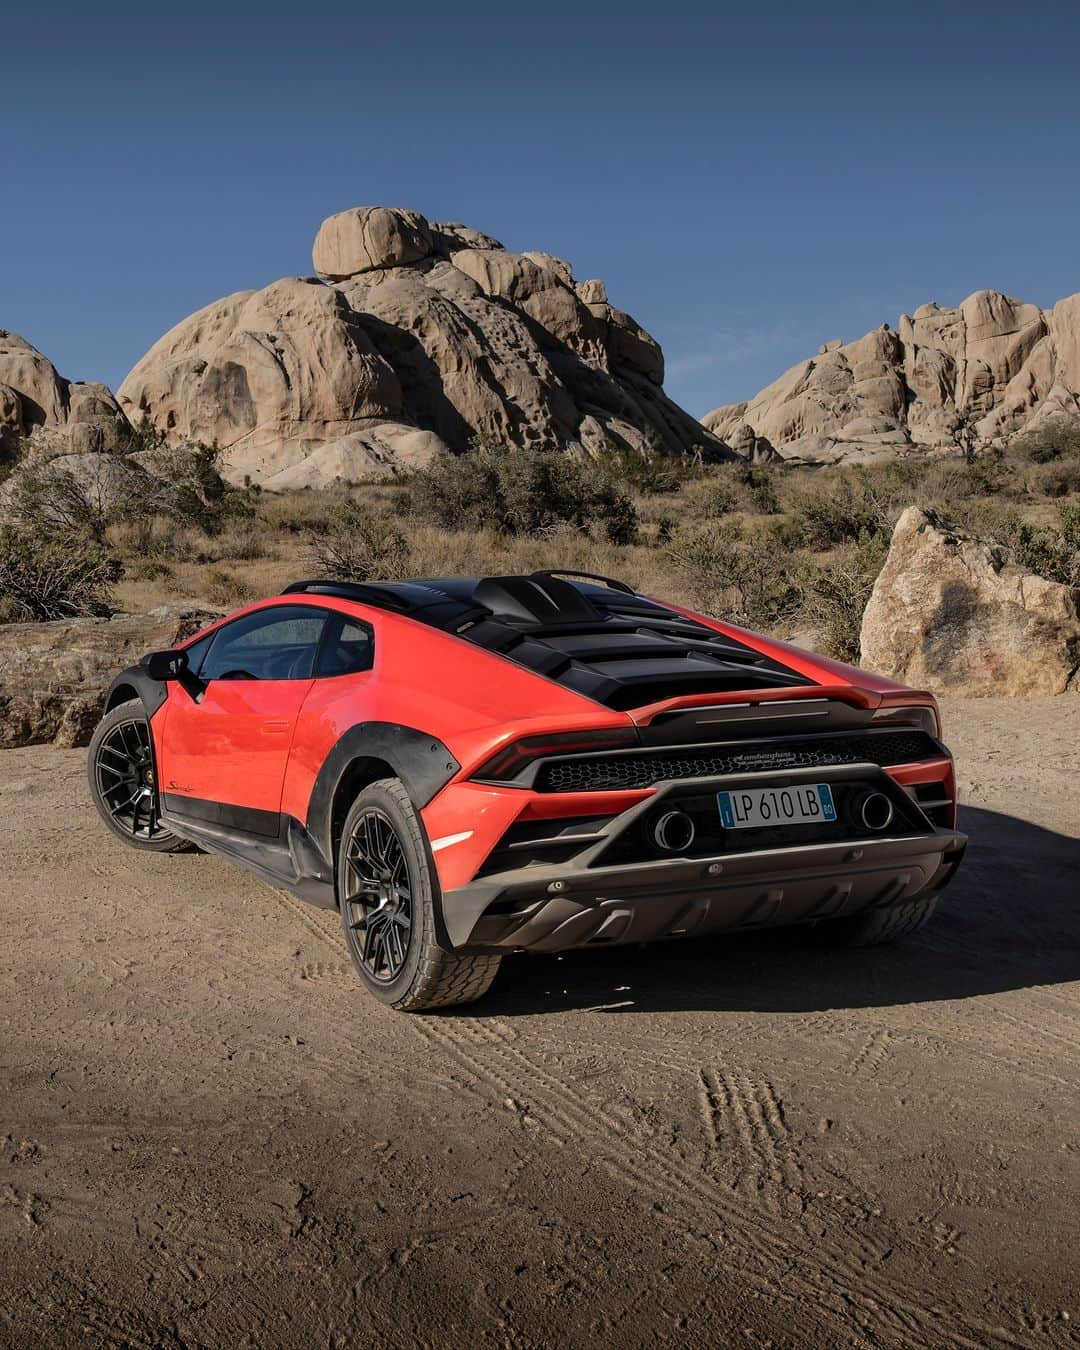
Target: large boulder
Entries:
(989, 364)
(953, 613)
(425, 335)
(268, 375)
(37, 402)
(367, 238)
(54, 676)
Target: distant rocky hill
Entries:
(35, 397)
(993, 365)
(414, 336)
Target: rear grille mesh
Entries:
(596, 773)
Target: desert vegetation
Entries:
(790, 549)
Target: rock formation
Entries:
(953, 614)
(418, 336)
(993, 364)
(37, 401)
(54, 676)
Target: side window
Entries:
(196, 653)
(348, 647)
(271, 644)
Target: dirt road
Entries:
(211, 1137)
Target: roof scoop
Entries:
(535, 600)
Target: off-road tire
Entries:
(430, 976)
(159, 839)
(880, 926)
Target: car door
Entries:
(224, 753)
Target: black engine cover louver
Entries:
(601, 641)
(597, 773)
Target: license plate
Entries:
(808, 804)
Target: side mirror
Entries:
(162, 666)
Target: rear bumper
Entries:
(603, 894)
(553, 908)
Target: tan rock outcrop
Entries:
(268, 375)
(991, 362)
(426, 335)
(54, 676)
(35, 400)
(955, 614)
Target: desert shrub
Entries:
(722, 496)
(1059, 477)
(53, 576)
(42, 498)
(851, 509)
(1055, 439)
(836, 594)
(521, 491)
(242, 542)
(730, 572)
(183, 485)
(223, 587)
(150, 537)
(357, 545)
(150, 569)
(299, 513)
(760, 489)
(651, 473)
(1053, 553)
(141, 435)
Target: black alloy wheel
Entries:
(123, 780)
(125, 774)
(377, 896)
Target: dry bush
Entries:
(53, 576)
(358, 545)
(244, 542)
(836, 594)
(852, 508)
(1048, 551)
(1058, 477)
(225, 588)
(728, 571)
(522, 492)
(1056, 439)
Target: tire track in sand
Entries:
(776, 1255)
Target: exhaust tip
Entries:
(673, 832)
(876, 811)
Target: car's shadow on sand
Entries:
(1010, 919)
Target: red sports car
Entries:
(469, 767)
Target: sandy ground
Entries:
(211, 1137)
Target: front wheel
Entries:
(386, 892)
(122, 780)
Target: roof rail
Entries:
(585, 576)
(350, 590)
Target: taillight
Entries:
(506, 765)
(920, 715)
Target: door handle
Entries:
(275, 727)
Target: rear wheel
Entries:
(878, 926)
(386, 892)
(123, 783)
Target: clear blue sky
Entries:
(749, 180)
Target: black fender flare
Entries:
(153, 693)
(421, 761)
